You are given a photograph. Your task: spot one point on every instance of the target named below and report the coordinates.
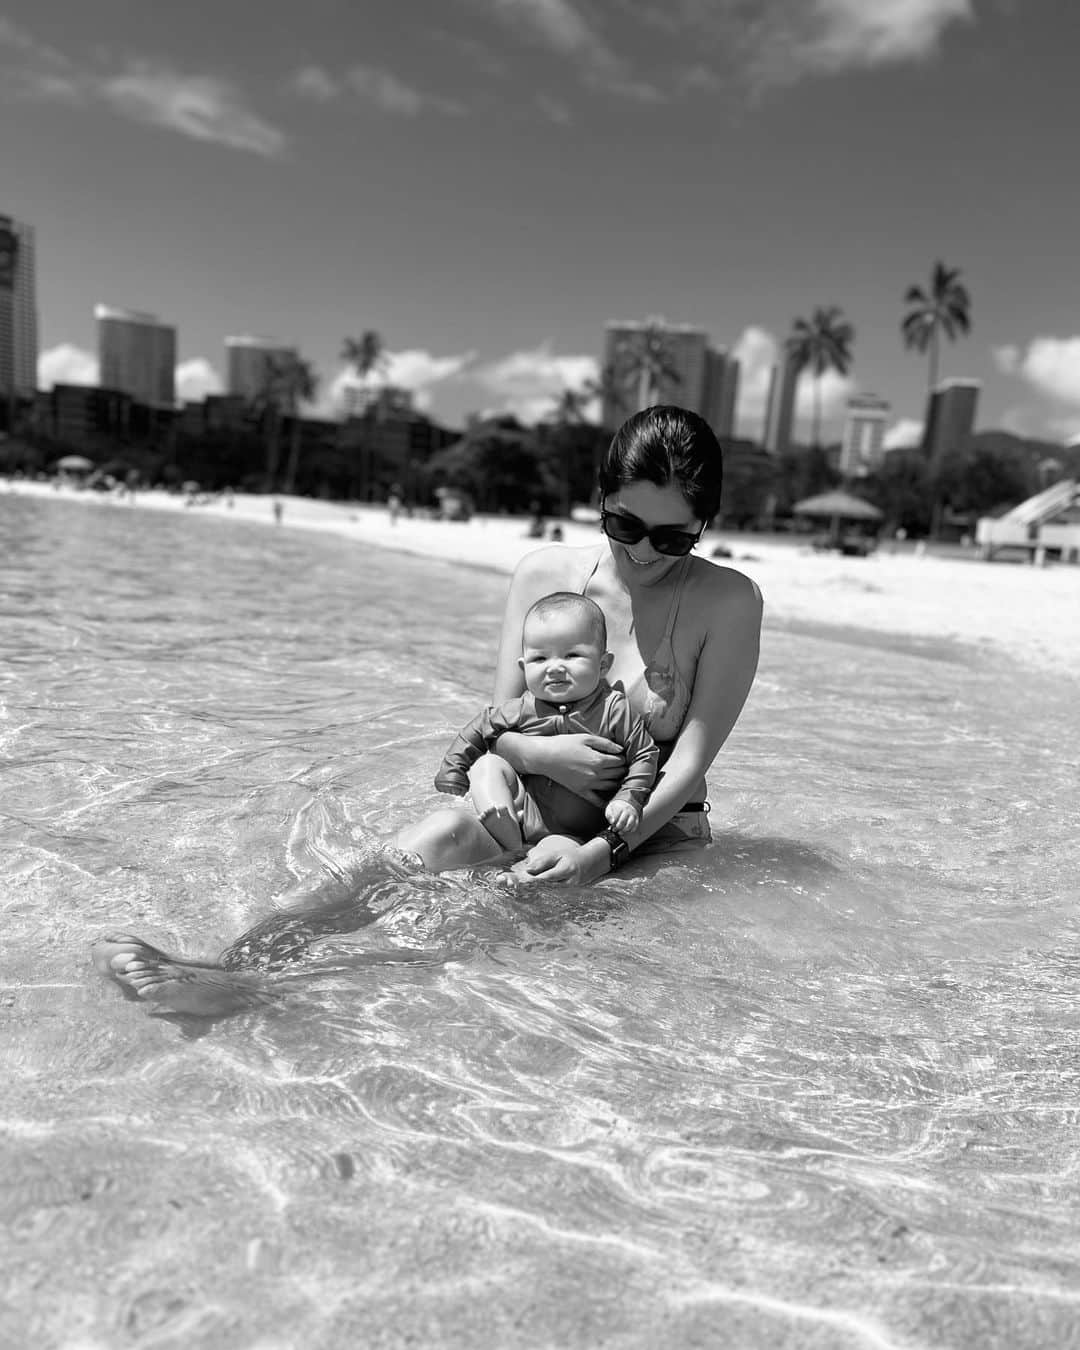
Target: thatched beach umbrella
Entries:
(74, 464)
(836, 507)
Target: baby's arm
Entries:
(474, 739)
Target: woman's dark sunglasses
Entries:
(665, 539)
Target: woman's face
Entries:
(640, 564)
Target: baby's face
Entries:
(561, 658)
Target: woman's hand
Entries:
(591, 766)
(558, 858)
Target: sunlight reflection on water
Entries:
(817, 1086)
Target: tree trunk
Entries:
(273, 447)
(817, 412)
(294, 454)
(644, 389)
(933, 358)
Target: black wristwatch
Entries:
(620, 849)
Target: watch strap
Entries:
(620, 849)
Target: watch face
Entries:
(620, 849)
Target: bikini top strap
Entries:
(592, 571)
(673, 609)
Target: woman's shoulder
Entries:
(714, 586)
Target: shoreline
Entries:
(1026, 614)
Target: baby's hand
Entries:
(622, 816)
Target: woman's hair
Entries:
(665, 445)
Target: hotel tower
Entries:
(247, 364)
(136, 355)
(704, 379)
(18, 311)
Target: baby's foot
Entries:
(504, 827)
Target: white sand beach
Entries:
(1029, 614)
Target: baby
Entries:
(564, 661)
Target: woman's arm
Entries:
(725, 672)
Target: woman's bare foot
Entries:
(175, 984)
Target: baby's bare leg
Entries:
(498, 795)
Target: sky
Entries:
(487, 182)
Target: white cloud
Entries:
(862, 34)
(756, 351)
(196, 378)
(834, 391)
(904, 434)
(11, 35)
(776, 42)
(1007, 359)
(69, 364)
(416, 370)
(202, 107)
(1050, 365)
(555, 22)
(528, 383)
(554, 110)
(66, 364)
(199, 106)
(315, 83)
(393, 95)
(563, 29)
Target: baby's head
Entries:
(564, 652)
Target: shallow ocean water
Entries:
(818, 1086)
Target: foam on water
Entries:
(815, 1087)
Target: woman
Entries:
(684, 634)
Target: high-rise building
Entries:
(701, 378)
(780, 407)
(248, 361)
(863, 446)
(18, 311)
(950, 419)
(137, 355)
(721, 391)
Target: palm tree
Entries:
(265, 407)
(945, 308)
(820, 344)
(298, 383)
(570, 405)
(645, 361)
(567, 413)
(365, 354)
(611, 390)
(286, 380)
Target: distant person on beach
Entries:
(563, 660)
(683, 633)
(279, 511)
(394, 503)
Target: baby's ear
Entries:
(606, 662)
